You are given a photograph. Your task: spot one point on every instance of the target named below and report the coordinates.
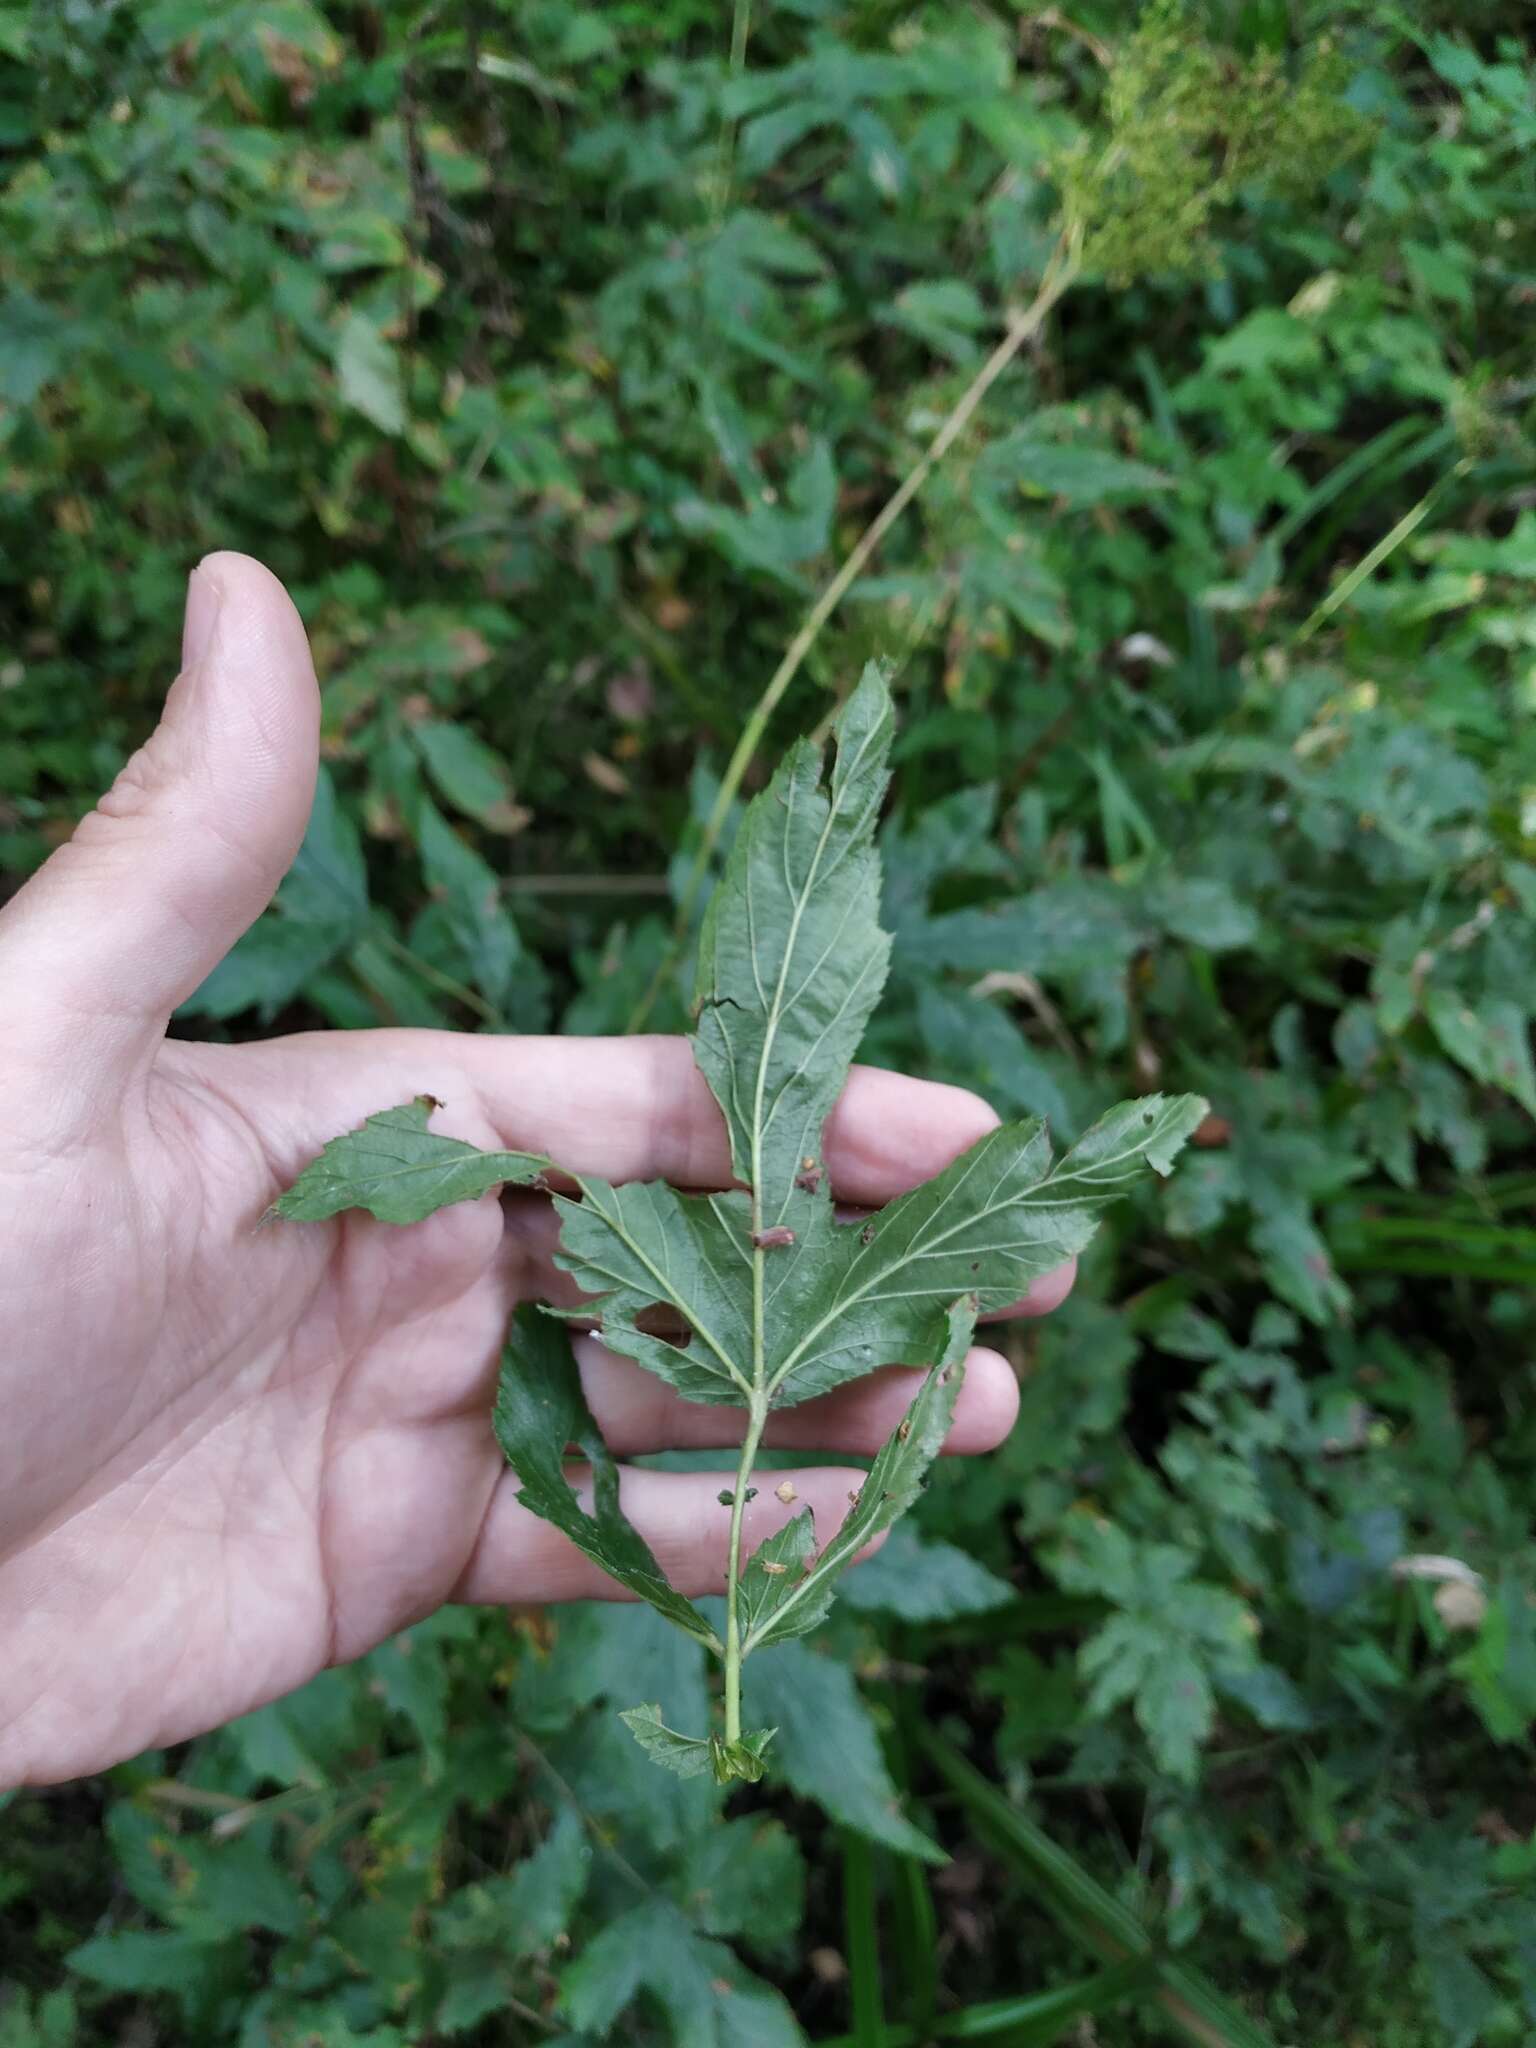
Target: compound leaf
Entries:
(756, 1296)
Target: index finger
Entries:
(639, 1109)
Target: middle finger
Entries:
(637, 1412)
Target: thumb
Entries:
(182, 853)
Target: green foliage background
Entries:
(556, 356)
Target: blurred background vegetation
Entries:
(557, 356)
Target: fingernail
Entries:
(202, 613)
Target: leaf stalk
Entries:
(757, 1417)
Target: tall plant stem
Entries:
(741, 29)
(1389, 543)
(1059, 275)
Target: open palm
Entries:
(239, 1452)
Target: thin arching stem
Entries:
(1060, 272)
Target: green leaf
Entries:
(1491, 1040)
(943, 312)
(1039, 459)
(826, 1748)
(840, 1300)
(918, 1579)
(757, 1297)
(792, 1600)
(540, 1410)
(792, 958)
(1162, 1651)
(709, 1999)
(778, 1579)
(237, 1884)
(1464, 1997)
(768, 536)
(399, 1171)
(1086, 1911)
(690, 1756)
(368, 372)
(412, 1676)
(972, 1042)
(35, 345)
(306, 1738)
(470, 775)
(745, 1877)
(187, 1965)
(479, 1986)
(617, 1651)
(636, 1246)
(1202, 911)
(52, 2023)
(526, 1913)
(1499, 1670)
(485, 943)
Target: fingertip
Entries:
(1051, 1290)
(233, 573)
(1045, 1294)
(890, 1132)
(183, 852)
(260, 633)
(262, 699)
(862, 1416)
(988, 1406)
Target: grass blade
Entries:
(1084, 1908)
(917, 1940)
(1343, 474)
(862, 1938)
(1026, 2022)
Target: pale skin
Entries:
(234, 1454)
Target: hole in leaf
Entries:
(665, 1324)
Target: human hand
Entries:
(235, 1455)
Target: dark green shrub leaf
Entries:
(826, 1747)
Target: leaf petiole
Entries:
(757, 1417)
